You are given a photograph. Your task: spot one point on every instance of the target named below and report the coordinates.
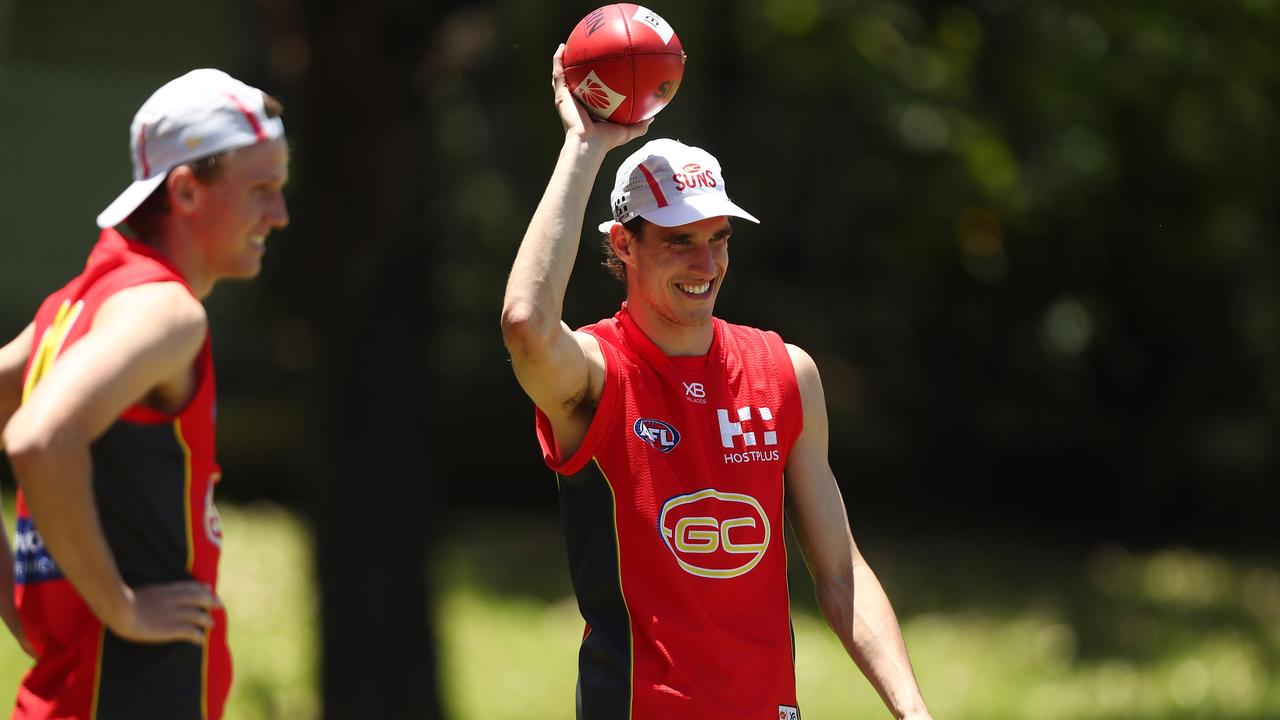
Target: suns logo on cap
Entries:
(693, 176)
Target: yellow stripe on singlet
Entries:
(186, 495)
(204, 675)
(51, 345)
(191, 560)
(631, 636)
(97, 673)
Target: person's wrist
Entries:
(585, 146)
(118, 612)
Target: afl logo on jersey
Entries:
(715, 534)
(658, 435)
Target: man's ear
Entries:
(623, 242)
(182, 185)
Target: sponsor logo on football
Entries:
(653, 20)
(596, 94)
(594, 21)
(659, 435)
(695, 392)
(746, 428)
(715, 534)
(667, 89)
(788, 712)
(693, 176)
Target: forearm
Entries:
(13, 361)
(9, 403)
(540, 274)
(859, 612)
(9, 611)
(56, 482)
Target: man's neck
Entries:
(672, 339)
(175, 244)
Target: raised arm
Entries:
(561, 371)
(849, 595)
(143, 343)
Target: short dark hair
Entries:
(612, 262)
(145, 220)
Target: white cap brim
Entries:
(123, 206)
(690, 209)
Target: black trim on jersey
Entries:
(149, 682)
(139, 482)
(604, 660)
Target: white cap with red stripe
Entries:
(202, 113)
(669, 183)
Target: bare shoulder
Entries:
(15, 352)
(162, 309)
(806, 370)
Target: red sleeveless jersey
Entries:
(153, 481)
(673, 516)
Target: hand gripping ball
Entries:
(624, 63)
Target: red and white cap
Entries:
(202, 113)
(669, 183)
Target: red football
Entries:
(623, 62)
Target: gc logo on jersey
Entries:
(658, 435)
(788, 712)
(715, 534)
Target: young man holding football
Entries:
(678, 439)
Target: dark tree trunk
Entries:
(360, 250)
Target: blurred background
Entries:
(1031, 245)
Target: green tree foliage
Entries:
(1029, 243)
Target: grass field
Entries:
(997, 629)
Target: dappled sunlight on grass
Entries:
(508, 658)
(272, 609)
(997, 628)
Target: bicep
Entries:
(814, 503)
(140, 338)
(558, 375)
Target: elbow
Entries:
(24, 447)
(835, 585)
(30, 447)
(835, 588)
(523, 325)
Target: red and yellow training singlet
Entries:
(673, 516)
(153, 481)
